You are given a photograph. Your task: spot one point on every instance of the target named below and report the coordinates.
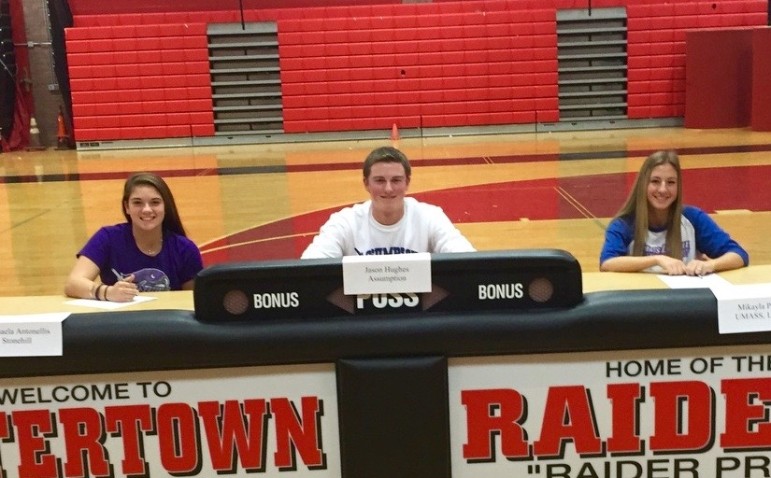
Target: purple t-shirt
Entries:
(115, 252)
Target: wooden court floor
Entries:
(264, 202)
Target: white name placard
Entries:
(397, 273)
(34, 335)
(743, 308)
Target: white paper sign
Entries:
(743, 308)
(109, 305)
(710, 281)
(32, 335)
(397, 273)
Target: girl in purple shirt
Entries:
(149, 252)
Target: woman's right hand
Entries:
(670, 265)
(122, 291)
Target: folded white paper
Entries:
(107, 305)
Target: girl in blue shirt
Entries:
(655, 232)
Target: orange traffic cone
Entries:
(394, 133)
(63, 138)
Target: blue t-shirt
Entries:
(115, 252)
(699, 232)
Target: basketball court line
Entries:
(11, 178)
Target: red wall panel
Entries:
(761, 80)
(718, 65)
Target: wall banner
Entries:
(239, 422)
(682, 413)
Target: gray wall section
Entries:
(47, 102)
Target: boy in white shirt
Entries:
(388, 223)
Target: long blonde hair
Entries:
(636, 206)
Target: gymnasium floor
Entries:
(263, 202)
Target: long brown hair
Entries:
(636, 206)
(171, 219)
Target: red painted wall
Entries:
(368, 66)
(99, 7)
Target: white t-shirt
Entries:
(353, 231)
